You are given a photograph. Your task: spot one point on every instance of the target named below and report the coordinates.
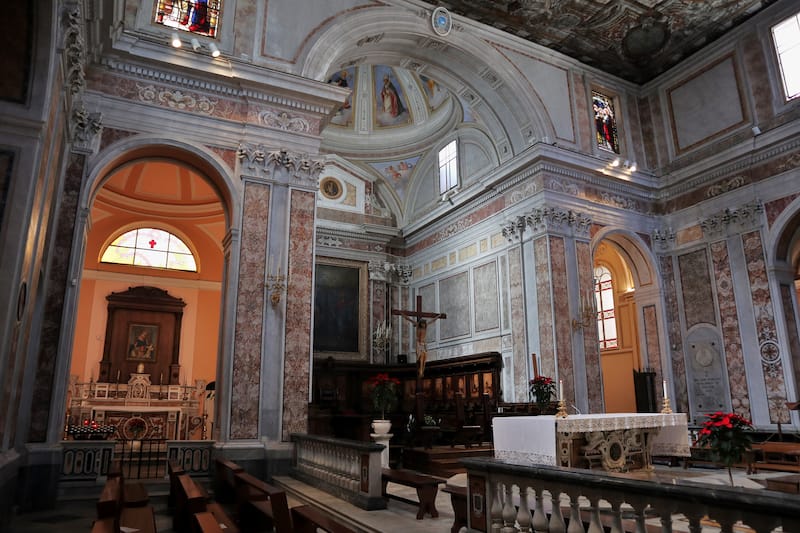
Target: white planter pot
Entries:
(381, 427)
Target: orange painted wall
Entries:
(205, 353)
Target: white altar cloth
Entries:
(532, 439)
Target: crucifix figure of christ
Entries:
(420, 320)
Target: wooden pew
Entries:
(205, 522)
(134, 493)
(776, 456)
(458, 498)
(261, 505)
(111, 508)
(307, 519)
(190, 499)
(427, 488)
(224, 480)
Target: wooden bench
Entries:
(261, 505)
(458, 498)
(205, 522)
(134, 494)
(776, 456)
(307, 519)
(190, 499)
(111, 511)
(427, 488)
(224, 480)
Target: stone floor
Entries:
(75, 512)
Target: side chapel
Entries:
(204, 205)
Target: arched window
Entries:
(150, 247)
(604, 299)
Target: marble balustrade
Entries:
(348, 469)
(508, 497)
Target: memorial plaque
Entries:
(708, 389)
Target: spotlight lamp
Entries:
(195, 44)
(176, 40)
(214, 49)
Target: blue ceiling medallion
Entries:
(441, 21)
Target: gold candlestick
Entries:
(562, 410)
(665, 407)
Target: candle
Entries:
(535, 366)
(117, 375)
(161, 379)
(664, 383)
(560, 390)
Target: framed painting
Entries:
(340, 309)
(142, 342)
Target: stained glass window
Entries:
(150, 247)
(786, 36)
(448, 167)
(196, 16)
(604, 300)
(605, 122)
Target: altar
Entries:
(616, 442)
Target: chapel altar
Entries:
(616, 442)
(139, 409)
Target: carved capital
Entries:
(280, 164)
(663, 238)
(735, 220)
(557, 219)
(85, 130)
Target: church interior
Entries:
(221, 219)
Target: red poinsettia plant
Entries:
(542, 389)
(727, 436)
(383, 391)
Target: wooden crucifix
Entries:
(420, 320)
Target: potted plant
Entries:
(383, 391)
(728, 436)
(542, 389)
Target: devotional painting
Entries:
(391, 108)
(397, 173)
(346, 78)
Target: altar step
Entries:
(442, 461)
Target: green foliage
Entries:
(383, 393)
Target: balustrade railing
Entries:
(348, 469)
(506, 497)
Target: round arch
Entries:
(492, 80)
(634, 251)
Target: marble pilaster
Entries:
(245, 391)
(681, 400)
(591, 351)
(520, 355)
(544, 303)
(562, 325)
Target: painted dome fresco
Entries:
(390, 109)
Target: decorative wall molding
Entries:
(176, 99)
(330, 241)
(370, 39)
(543, 219)
(278, 163)
(74, 50)
(452, 229)
(744, 218)
(564, 186)
(389, 272)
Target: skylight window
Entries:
(448, 167)
(786, 37)
(150, 247)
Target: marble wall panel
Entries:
(297, 350)
(698, 300)
(787, 296)
(428, 293)
(516, 290)
(594, 372)
(756, 66)
(544, 303)
(731, 338)
(486, 298)
(774, 208)
(674, 333)
(245, 393)
(768, 346)
(653, 355)
(454, 296)
(563, 326)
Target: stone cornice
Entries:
(208, 86)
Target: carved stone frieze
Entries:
(85, 130)
(279, 163)
(330, 241)
(562, 186)
(452, 229)
(728, 185)
(793, 161)
(617, 200)
(370, 39)
(175, 99)
(740, 219)
(284, 121)
(520, 193)
(548, 219)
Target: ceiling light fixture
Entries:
(615, 162)
(195, 44)
(214, 49)
(176, 40)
